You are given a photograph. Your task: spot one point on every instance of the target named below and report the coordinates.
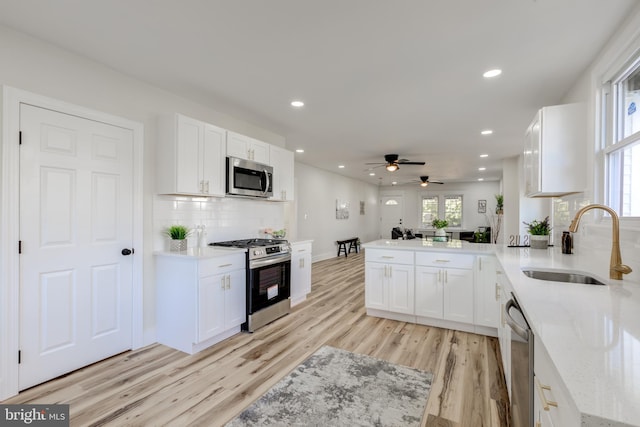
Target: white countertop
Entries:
(459, 246)
(592, 333)
(202, 253)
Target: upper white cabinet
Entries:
(247, 148)
(554, 153)
(191, 157)
(282, 162)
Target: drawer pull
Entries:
(225, 265)
(545, 403)
(387, 257)
(443, 260)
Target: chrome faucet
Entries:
(616, 267)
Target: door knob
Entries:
(127, 251)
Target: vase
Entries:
(539, 242)
(177, 245)
(440, 235)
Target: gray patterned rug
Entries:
(335, 387)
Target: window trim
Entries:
(441, 197)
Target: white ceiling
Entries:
(377, 77)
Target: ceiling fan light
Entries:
(392, 167)
(424, 184)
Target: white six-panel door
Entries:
(76, 217)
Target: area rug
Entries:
(335, 387)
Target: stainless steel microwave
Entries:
(248, 178)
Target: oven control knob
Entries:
(256, 252)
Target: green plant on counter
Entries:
(538, 228)
(178, 232)
(481, 237)
(439, 223)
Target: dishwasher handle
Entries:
(519, 330)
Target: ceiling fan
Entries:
(392, 163)
(424, 181)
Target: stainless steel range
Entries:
(268, 279)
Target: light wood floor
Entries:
(157, 385)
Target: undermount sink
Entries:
(562, 276)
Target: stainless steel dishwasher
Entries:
(521, 365)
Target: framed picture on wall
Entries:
(482, 206)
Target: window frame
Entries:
(441, 200)
(612, 141)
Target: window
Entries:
(450, 209)
(622, 141)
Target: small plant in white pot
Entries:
(178, 235)
(539, 231)
(439, 225)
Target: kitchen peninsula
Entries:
(585, 335)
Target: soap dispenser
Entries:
(567, 243)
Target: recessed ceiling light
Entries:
(484, 155)
(480, 179)
(297, 104)
(482, 169)
(492, 73)
(341, 166)
(372, 174)
(486, 132)
(299, 150)
(394, 182)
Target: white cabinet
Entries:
(282, 161)
(191, 156)
(389, 281)
(554, 152)
(200, 301)
(300, 271)
(247, 148)
(503, 292)
(444, 286)
(553, 404)
(487, 312)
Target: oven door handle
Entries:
(257, 263)
(519, 330)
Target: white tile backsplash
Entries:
(224, 218)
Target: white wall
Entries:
(471, 192)
(42, 68)
(316, 194)
(594, 235)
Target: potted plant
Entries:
(539, 231)
(439, 225)
(178, 235)
(499, 204)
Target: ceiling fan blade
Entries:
(376, 163)
(400, 162)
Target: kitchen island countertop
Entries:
(202, 253)
(458, 246)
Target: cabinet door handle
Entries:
(439, 275)
(222, 283)
(228, 282)
(202, 186)
(545, 403)
(497, 292)
(446, 277)
(206, 187)
(390, 271)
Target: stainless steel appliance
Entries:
(268, 279)
(521, 365)
(248, 178)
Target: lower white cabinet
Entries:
(389, 281)
(445, 292)
(200, 301)
(300, 271)
(487, 302)
(553, 405)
